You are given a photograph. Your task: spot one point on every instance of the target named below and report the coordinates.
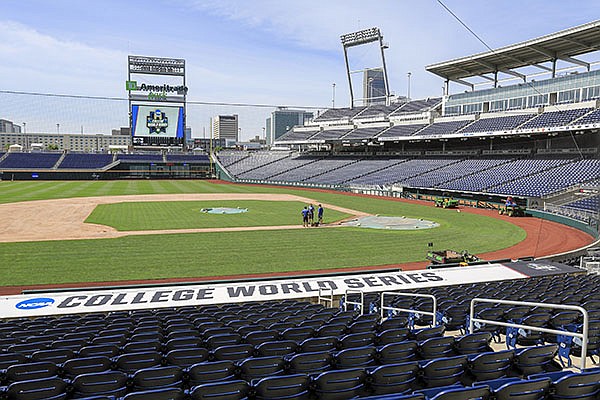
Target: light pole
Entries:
(333, 96)
(58, 129)
(25, 135)
(408, 93)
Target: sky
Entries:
(264, 52)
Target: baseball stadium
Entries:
(439, 248)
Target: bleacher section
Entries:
(85, 161)
(333, 114)
(297, 350)
(330, 134)
(30, 160)
(226, 158)
(591, 118)
(305, 172)
(549, 181)
(253, 160)
(275, 168)
(532, 176)
(507, 172)
(555, 118)
(498, 124)
(454, 171)
(355, 170)
(378, 110)
(362, 133)
(297, 135)
(398, 173)
(443, 128)
(415, 106)
(402, 130)
(589, 204)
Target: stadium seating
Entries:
(85, 161)
(414, 106)
(402, 130)
(443, 128)
(30, 160)
(297, 135)
(379, 110)
(591, 203)
(333, 114)
(330, 134)
(555, 118)
(356, 355)
(362, 133)
(498, 124)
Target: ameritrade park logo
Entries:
(157, 122)
(32, 304)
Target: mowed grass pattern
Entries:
(155, 215)
(231, 253)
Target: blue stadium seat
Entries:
(157, 378)
(288, 387)
(101, 383)
(340, 384)
(393, 378)
(211, 371)
(229, 390)
(157, 394)
(39, 389)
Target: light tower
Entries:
(358, 38)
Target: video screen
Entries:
(157, 121)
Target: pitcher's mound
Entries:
(395, 223)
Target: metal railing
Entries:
(328, 300)
(433, 312)
(360, 304)
(583, 335)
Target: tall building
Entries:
(225, 127)
(282, 121)
(7, 126)
(373, 86)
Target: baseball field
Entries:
(113, 231)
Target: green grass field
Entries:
(225, 253)
(136, 216)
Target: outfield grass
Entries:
(225, 253)
(136, 216)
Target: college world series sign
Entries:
(203, 294)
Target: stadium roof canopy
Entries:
(563, 45)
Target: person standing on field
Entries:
(311, 215)
(320, 215)
(305, 217)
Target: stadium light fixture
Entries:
(361, 37)
(358, 38)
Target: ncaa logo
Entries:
(32, 304)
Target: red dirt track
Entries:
(543, 238)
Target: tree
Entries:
(52, 146)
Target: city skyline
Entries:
(255, 53)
